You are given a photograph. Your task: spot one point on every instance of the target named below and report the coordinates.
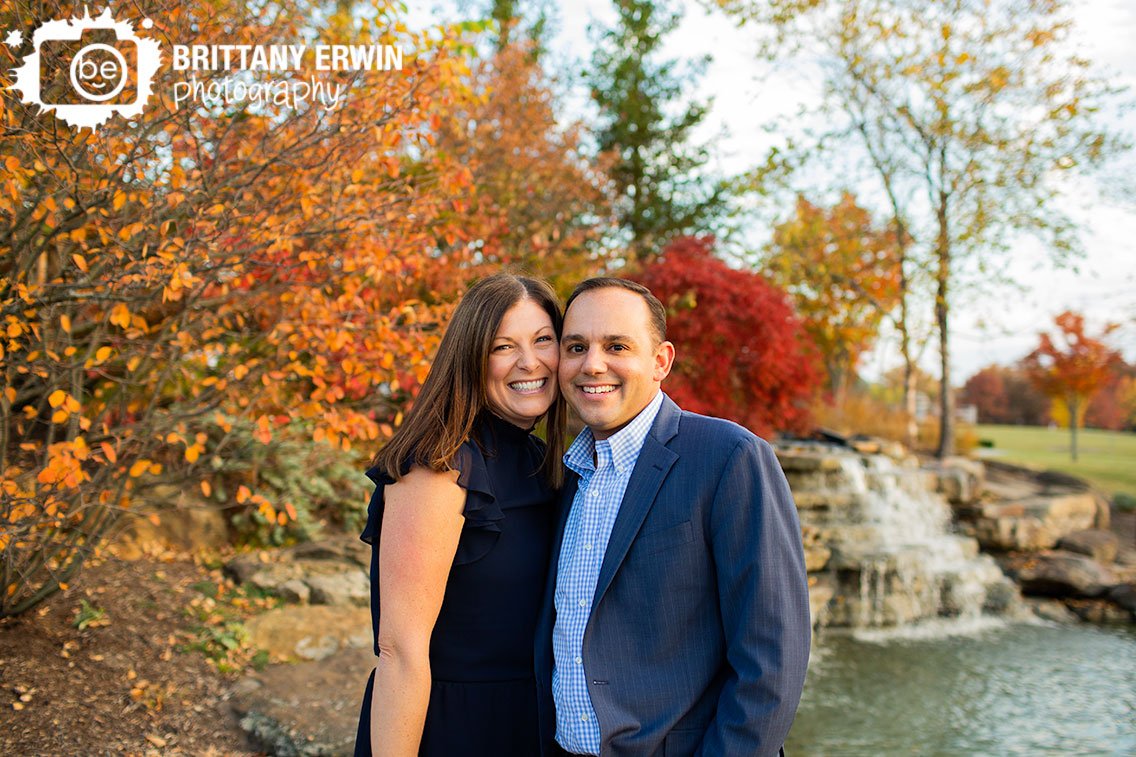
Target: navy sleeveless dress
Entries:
(483, 695)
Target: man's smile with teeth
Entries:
(598, 389)
(528, 386)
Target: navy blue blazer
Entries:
(699, 634)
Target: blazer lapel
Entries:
(655, 461)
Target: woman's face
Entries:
(523, 359)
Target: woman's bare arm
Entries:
(422, 520)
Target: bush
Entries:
(286, 490)
(1124, 502)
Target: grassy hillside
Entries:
(1107, 458)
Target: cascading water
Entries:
(893, 558)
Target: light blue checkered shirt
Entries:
(602, 484)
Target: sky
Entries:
(999, 325)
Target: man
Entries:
(679, 620)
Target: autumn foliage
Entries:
(1071, 366)
(844, 277)
(742, 353)
(210, 277)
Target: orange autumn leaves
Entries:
(171, 281)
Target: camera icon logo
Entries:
(89, 69)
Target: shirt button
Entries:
(579, 660)
(587, 547)
(584, 717)
(582, 603)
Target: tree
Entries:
(1005, 395)
(1071, 366)
(742, 353)
(538, 201)
(966, 111)
(1111, 407)
(843, 276)
(655, 169)
(169, 284)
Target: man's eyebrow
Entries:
(604, 338)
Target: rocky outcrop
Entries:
(1058, 573)
(1033, 523)
(320, 644)
(1096, 543)
(312, 632)
(306, 709)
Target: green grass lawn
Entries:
(1106, 458)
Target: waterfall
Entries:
(894, 559)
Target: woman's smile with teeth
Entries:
(598, 389)
(528, 386)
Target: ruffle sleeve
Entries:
(482, 513)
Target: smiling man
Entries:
(679, 620)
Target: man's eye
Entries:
(574, 349)
(618, 347)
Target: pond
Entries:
(991, 689)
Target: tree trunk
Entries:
(1074, 422)
(942, 279)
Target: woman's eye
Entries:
(544, 339)
(501, 348)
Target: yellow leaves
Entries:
(102, 354)
(12, 163)
(10, 394)
(143, 466)
(119, 200)
(108, 452)
(65, 323)
(243, 494)
(206, 488)
(120, 316)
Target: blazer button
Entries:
(597, 682)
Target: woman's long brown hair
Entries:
(454, 392)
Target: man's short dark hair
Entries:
(658, 312)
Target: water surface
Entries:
(1003, 690)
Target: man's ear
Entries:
(664, 359)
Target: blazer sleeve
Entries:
(763, 593)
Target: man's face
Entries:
(610, 366)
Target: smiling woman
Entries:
(522, 365)
(461, 528)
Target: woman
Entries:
(461, 527)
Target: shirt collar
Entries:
(625, 444)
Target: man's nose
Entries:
(593, 362)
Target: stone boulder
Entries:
(188, 528)
(1100, 545)
(311, 632)
(351, 587)
(1059, 574)
(816, 553)
(959, 479)
(1124, 596)
(306, 709)
(330, 571)
(1034, 523)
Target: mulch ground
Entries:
(121, 686)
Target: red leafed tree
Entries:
(1005, 395)
(742, 352)
(1072, 366)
